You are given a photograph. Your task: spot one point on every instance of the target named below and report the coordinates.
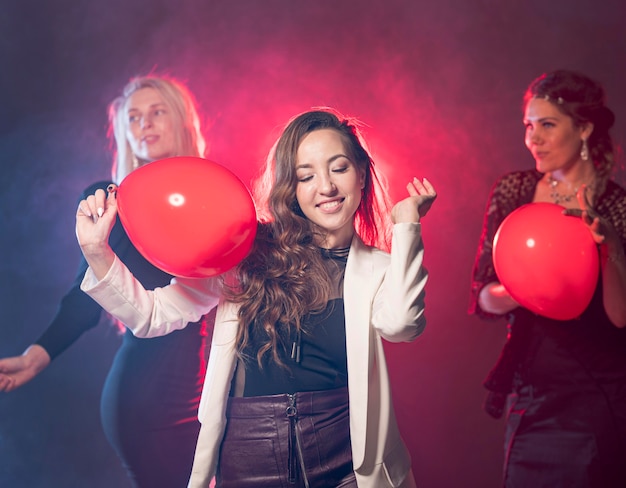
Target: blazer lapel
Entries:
(360, 284)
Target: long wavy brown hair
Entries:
(284, 278)
(584, 100)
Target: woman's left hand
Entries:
(601, 230)
(613, 259)
(422, 194)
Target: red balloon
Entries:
(188, 216)
(547, 261)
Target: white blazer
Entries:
(383, 299)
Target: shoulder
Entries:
(615, 190)
(613, 199)
(513, 189)
(518, 180)
(360, 250)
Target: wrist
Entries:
(96, 250)
(37, 357)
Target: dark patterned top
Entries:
(539, 350)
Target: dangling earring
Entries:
(584, 151)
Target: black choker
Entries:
(340, 254)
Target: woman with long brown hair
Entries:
(297, 391)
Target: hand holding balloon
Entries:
(546, 261)
(599, 227)
(95, 218)
(494, 298)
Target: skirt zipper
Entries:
(295, 447)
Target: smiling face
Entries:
(552, 137)
(329, 186)
(150, 125)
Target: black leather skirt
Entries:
(298, 440)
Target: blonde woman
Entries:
(150, 398)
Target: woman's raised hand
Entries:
(422, 194)
(95, 218)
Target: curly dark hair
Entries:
(584, 100)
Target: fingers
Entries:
(7, 370)
(430, 188)
(572, 212)
(588, 213)
(595, 227)
(582, 195)
(416, 187)
(94, 205)
(586, 216)
(424, 187)
(412, 188)
(7, 383)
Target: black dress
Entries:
(151, 395)
(565, 380)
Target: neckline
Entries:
(558, 197)
(339, 254)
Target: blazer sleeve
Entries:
(398, 308)
(151, 313)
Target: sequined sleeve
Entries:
(612, 206)
(508, 193)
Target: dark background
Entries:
(439, 86)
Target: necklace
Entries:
(559, 198)
(339, 254)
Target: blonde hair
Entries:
(188, 138)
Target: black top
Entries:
(313, 360)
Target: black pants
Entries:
(290, 441)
